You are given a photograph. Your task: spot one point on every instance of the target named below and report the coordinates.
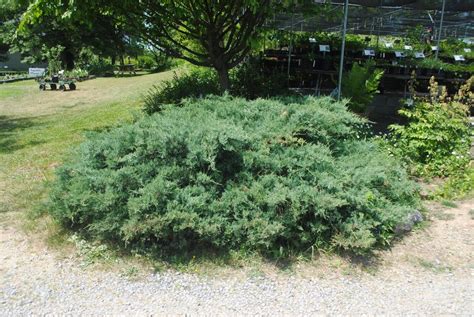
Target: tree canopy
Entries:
(215, 34)
(30, 27)
(10, 15)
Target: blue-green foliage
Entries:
(230, 174)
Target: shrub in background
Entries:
(248, 80)
(459, 185)
(146, 62)
(360, 85)
(94, 64)
(196, 83)
(53, 56)
(155, 62)
(77, 73)
(227, 173)
(436, 140)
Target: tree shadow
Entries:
(128, 74)
(10, 127)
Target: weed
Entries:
(91, 253)
(130, 272)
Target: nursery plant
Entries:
(360, 85)
(228, 174)
(436, 140)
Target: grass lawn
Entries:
(39, 128)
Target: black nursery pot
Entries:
(399, 70)
(390, 69)
(429, 72)
(318, 64)
(441, 74)
(421, 71)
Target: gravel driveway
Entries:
(428, 273)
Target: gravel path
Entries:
(428, 273)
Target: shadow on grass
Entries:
(10, 128)
(127, 74)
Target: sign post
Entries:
(343, 46)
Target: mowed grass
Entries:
(38, 130)
(14, 90)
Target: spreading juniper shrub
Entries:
(227, 174)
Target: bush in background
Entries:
(155, 62)
(360, 85)
(77, 73)
(459, 185)
(225, 174)
(251, 81)
(436, 141)
(146, 62)
(196, 83)
(248, 80)
(94, 64)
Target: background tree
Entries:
(215, 34)
(52, 22)
(10, 16)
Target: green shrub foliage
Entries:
(436, 140)
(360, 85)
(194, 84)
(251, 80)
(227, 174)
(155, 61)
(248, 80)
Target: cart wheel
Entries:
(62, 87)
(42, 87)
(72, 86)
(53, 86)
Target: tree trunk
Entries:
(68, 60)
(224, 80)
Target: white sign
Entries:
(399, 54)
(419, 55)
(369, 52)
(459, 58)
(467, 50)
(434, 48)
(408, 47)
(388, 45)
(36, 72)
(324, 48)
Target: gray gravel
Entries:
(42, 285)
(428, 273)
